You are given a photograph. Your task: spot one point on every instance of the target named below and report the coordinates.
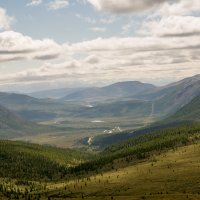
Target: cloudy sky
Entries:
(72, 43)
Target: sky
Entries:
(47, 44)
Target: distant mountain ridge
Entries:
(146, 100)
(26, 106)
(178, 95)
(54, 93)
(168, 99)
(127, 108)
(9, 119)
(190, 112)
(116, 90)
(131, 98)
(6, 98)
(12, 124)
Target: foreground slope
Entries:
(163, 165)
(168, 176)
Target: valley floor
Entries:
(79, 128)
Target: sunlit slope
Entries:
(171, 175)
(161, 165)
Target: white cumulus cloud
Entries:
(58, 4)
(165, 48)
(34, 3)
(16, 46)
(98, 29)
(124, 6)
(5, 20)
(172, 26)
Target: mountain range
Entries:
(54, 93)
(176, 102)
(114, 91)
(9, 119)
(12, 124)
(189, 112)
(138, 99)
(176, 95)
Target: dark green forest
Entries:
(25, 161)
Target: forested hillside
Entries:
(31, 171)
(25, 161)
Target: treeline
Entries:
(106, 140)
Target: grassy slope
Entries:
(171, 175)
(161, 173)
